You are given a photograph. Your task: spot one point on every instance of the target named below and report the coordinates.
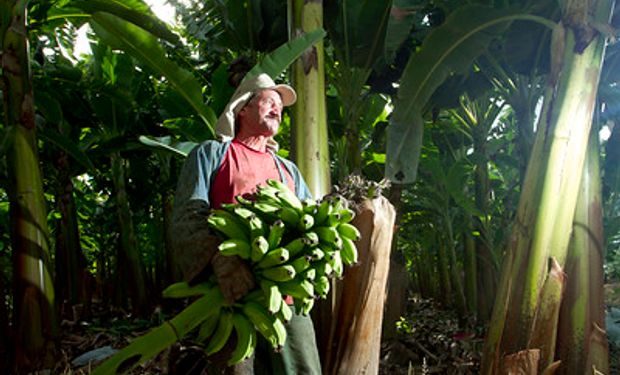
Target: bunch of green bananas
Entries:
(293, 248)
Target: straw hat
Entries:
(225, 127)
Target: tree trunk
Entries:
(582, 342)
(356, 329)
(528, 301)
(129, 244)
(398, 280)
(70, 262)
(34, 316)
(470, 271)
(309, 129)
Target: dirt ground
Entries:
(433, 344)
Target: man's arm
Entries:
(194, 244)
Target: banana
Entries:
(212, 317)
(272, 294)
(327, 235)
(312, 237)
(338, 202)
(243, 201)
(298, 289)
(246, 338)
(309, 206)
(307, 306)
(235, 246)
(273, 258)
(346, 215)
(349, 251)
(285, 314)
(336, 263)
(221, 334)
(276, 231)
(284, 272)
(242, 212)
(305, 222)
(266, 324)
(290, 216)
(259, 248)
(321, 286)
(257, 227)
(309, 274)
(317, 254)
(267, 210)
(256, 295)
(324, 268)
(349, 231)
(228, 224)
(296, 246)
(333, 219)
(300, 263)
(286, 195)
(323, 210)
(268, 194)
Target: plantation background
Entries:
(444, 98)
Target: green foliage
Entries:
(450, 48)
(144, 46)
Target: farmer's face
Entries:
(263, 114)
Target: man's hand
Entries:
(233, 275)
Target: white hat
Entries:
(225, 127)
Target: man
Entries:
(215, 173)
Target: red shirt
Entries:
(242, 169)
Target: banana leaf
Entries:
(450, 48)
(357, 30)
(141, 44)
(166, 144)
(399, 25)
(68, 146)
(277, 61)
(135, 12)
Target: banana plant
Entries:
(130, 26)
(34, 298)
(450, 48)
(365, 36)
(525, 316)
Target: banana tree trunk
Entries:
(455, 274)
(34, 305)
(470, 271)
(129, 253)
(484, 263)
(309, 113)
(70, 261)
(172, 273)
(524, 320)
(582, 342)
(443, 268)
(309, 130)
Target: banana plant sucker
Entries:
(525, 319)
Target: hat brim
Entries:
(288, 95)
